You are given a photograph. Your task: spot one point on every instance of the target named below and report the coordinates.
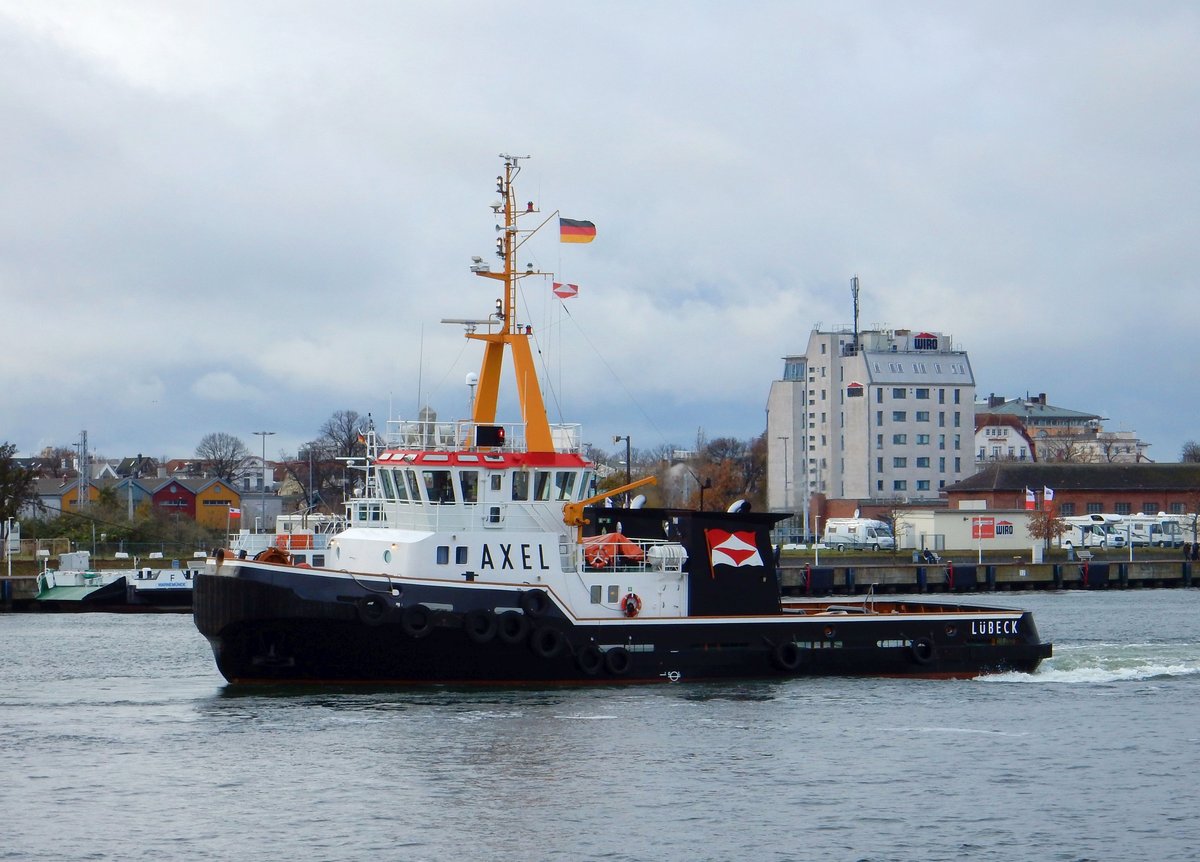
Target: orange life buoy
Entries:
(631, 605)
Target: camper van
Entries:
(858, 533)
(1093, 531)
(1156, 531)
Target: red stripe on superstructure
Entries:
(489, 460)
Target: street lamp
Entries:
(263, 501)
(617, 439)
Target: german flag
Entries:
(571, 230)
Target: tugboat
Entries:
(477, 553)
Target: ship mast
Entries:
(516, 338)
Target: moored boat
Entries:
(76, 586)
(162, 589)
(477, 552)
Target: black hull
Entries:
(272, 625)
(175, 600)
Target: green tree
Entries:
(18, 484)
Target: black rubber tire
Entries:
(535, 603)
(547, 642)
(590, 659)
(416, 621)
(787, 656)
(513, 627)
(922, 650)
(480, 625)
(372, 610)
(617, 661)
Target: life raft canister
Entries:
(631, 605)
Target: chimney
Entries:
(1042, 398)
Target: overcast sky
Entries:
(241, 216)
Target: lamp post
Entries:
(628, 467)
(786, 496)
(263, 496)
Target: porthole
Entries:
(387, 555)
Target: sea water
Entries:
(119, 740)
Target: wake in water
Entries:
(1109, 662)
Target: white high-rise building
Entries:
(881, 416)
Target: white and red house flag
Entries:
(735, 548)
(1030, 499)
(565, 291)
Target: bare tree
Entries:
(59, 461)
(1190, 453)
(1070, 449)
(343, 434)
(223, 453)
(317, 473)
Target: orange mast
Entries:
(533, 408)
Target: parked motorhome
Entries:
(858, 533)
(1156, 531)
(1092, 531)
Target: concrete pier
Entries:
(800, 579)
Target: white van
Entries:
(858, 533)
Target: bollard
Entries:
(920, 579)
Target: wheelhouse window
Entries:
(386, 485)
(398, 484)
(564, 481)
(414, 487)
(541, 487)
(468, 485)
(520, 485)
(438, 487)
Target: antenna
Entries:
(854, 293)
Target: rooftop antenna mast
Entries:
(854, 293)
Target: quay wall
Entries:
(801, 579)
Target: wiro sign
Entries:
(990, 528)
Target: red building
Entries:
(174, 497)
(1082, 489)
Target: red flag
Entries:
(565, 291)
